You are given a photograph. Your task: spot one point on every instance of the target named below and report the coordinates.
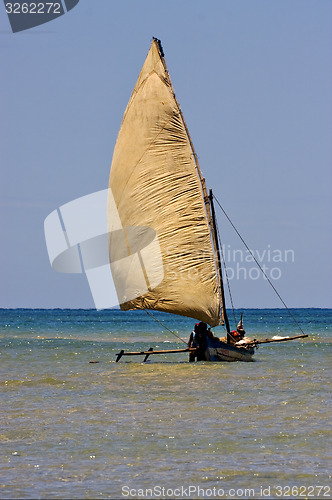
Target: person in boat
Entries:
(197, 340)
(239, 333)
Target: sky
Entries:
(254, 81)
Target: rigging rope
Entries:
(258, 264)
(225, 269)
(158, 321)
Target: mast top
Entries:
(160, 47)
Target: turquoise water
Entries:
(75, 429)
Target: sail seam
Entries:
(135, 91)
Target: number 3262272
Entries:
(33, 8)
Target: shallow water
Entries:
(75, 429)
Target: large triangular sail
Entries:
(156, 183)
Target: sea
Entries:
(76, 424)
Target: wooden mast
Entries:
(222, 293)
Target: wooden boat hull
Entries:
(216, 350)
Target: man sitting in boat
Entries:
(197, 340)
(239, 333)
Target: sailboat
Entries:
(157, 183)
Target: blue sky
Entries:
(254, 81)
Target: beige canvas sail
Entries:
(157, 187)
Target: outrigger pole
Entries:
(282, 339)
(151, 351)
